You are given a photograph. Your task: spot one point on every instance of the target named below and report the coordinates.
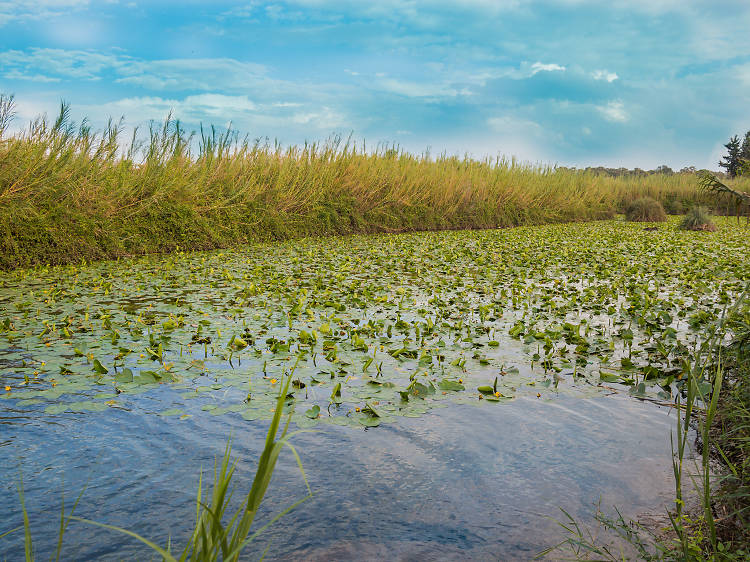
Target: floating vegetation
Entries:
(382, 326)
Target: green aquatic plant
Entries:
(696, 536)
(582, 313)
(539, 312)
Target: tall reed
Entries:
(68, 192)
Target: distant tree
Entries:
(745, 155)
(745, 149)
(664, 169)
(731, 162)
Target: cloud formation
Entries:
(632, 82)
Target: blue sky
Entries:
(574, 82)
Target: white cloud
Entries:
(540, 67)
(325, 119)
(190, 74)
(246, 115)
(164, 74)
(518, 136)
(19, 75)
(419, 89)
(604, 75)
(59, 63)
(743, 74)
(242, 12)
(24, 10)
(512, 124)
(614, 111)
(215, 107)
(398, 9)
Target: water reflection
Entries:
(461, 482)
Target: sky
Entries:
(634, 83)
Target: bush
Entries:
(645, 209)
(698, 218)
(673, 206)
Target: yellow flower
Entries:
(7, 388)
(497, 395)
(274, 381)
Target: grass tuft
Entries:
(645, 209)
(698, 218)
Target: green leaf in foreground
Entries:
(446, 384)
(99, 368)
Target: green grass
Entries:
(68, 193)
(730, 436)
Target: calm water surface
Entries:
(461, 482)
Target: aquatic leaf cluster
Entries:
(382, 326)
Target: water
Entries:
(462, 482)
(96, 356)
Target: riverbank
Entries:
(69, 194)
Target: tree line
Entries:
(635, 172)
(737, 160)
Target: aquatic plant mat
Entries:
(385, 327)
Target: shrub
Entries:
(673, 206)
(645, 209)
(698, 218)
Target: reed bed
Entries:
(70, 193)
